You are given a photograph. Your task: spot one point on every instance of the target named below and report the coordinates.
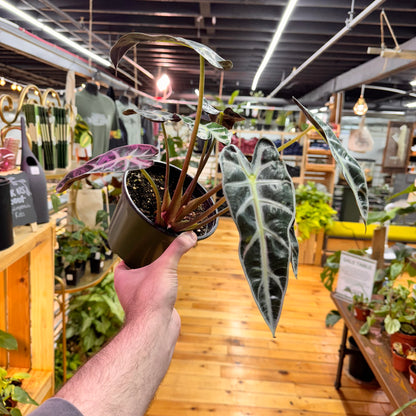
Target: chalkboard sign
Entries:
(23, 209)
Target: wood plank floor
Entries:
(227, 363)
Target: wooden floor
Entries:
(227, 363)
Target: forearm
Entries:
(123, 377)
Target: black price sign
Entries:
(23, 209)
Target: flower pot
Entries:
(412, 375)
(403, 339)
(357, 365)
(96, 264)
(133, 236)
(400, 363)
(73, 275)
(361, 313)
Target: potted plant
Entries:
(400, 359)
(314, 215)
(281, 119)
(362, 306)
(11, 391)
(260, 194)
(74, 253)
(399, 312)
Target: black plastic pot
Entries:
(73, 275)
(135, 238)
(96, 264)
(357, 365)
(6, 221)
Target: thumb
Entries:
(178, 248)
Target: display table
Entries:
(26, 308)
(376, 350)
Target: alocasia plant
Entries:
(260, 194)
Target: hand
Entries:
(137, 358)
(152, 288)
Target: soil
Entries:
(143, 197)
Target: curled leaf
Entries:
(261, 198)
(120, 159)
(131, 39)
(350, 168)
(158, 116)
(208, 108)
(210, 131)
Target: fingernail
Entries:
(191, 235)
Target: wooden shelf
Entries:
(26, 307)
(317, 151)
(319, 167)
(38, 386)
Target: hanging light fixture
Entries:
(163, 82)
(2, 82)
(360, 107)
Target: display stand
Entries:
(26, 311)
(61, 289)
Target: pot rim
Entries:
(146, 219)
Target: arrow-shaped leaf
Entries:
(120, 159)
(350, 168)
(131, 39)
(158, 116)
(261, 197)
(208, 108)
(210, 131)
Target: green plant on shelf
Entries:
(95, 316)
(77, 246)
(313, 210)
(11, 390)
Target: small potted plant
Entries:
(314, 215)
(400, 358)
(159, 201)
(362, 306)
(282, 116)
(74, 253)
(11, 391)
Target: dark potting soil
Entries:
(143, 196)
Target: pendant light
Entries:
(360, 107)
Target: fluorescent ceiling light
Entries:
(411, 104)
(54, 33)
(279, 31)
(413, 83)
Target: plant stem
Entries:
(176, 198)
(166, 195)
(202, 163)
(193, 205)
(295, 139)
(195, 223)
(158, 219)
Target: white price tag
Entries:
(34, 170)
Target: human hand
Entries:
(152, 288)
(137, 358)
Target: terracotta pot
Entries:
(400, 363)
(361, 313)
(403, 339)
(135, 238)
(412, 375)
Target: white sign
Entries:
(356, 276)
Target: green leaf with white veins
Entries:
(130, 39)
(210, 131)
(261, 198)
(350, 168)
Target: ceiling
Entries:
(239, 30)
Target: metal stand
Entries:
(343, 351)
